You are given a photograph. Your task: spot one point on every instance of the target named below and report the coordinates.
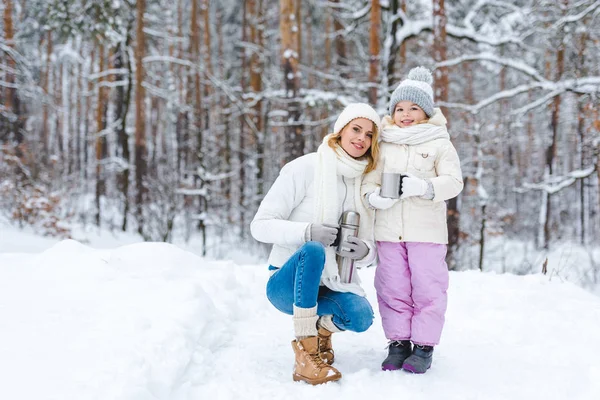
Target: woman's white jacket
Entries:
(287, 210)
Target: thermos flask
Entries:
(349, 222)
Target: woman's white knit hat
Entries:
(353, 111)
(417, 89)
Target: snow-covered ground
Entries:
(153, 321)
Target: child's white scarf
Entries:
(415, 134)
(330, 164)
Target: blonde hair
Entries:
(372, 154)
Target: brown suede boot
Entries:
(325, 347)
(309, 367)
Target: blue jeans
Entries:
(297, 283)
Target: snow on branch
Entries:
(169, 59)
(347, 83)
(555, 184)
(400, 15)
(192, 192)
(115, 164)
(481, 4)
(114, 84)
(585, 85)
(535, 104)
(487, 56)
(412, 28)
(105, 73)
(462, 33)
(163, 35)
(8, 69)
(9, 85)
(233, 99)
(577, 17)
(359, 13)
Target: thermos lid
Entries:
(350, 218)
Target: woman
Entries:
(299, 216)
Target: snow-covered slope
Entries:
(151, 321)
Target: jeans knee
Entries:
(315, 251)
(362, 315)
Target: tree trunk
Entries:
(225, 107)
(208, 70)
(583, 151)
(441, 95)
(203, 206)
(402, 51)
(10, 79)
(100, 135)
(482, 237)
(14, 122)
(123, 98)
(242, 137)
(195, 58)
(60, 120)
(86, 115)
(328, 35)
(393, 46)
(140, 117)
(181, 125)
(374, 40)
(256, 70)
(46, 88)
(289, 58)
(340, 44)
(439, 52)
(582, 165)
(299, 26)
(310, 54)
(551, 153)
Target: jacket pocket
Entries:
(423, 158)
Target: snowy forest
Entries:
(173, 118)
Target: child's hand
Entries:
(412, 186)
(380, 203)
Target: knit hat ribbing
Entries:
(417, 89)
(353, 111)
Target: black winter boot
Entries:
(398, 351)
(420, 360)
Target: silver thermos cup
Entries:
(391, 185)
(349, 222)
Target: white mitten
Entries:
(381, 203)
(413, 186)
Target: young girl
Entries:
(411, 233)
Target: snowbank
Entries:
(152, 321)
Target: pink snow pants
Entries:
(411, 280)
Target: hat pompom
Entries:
(420, 74)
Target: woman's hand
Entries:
(323, 233)
(353, 248)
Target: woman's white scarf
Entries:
(415, 134)
(330, 164)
